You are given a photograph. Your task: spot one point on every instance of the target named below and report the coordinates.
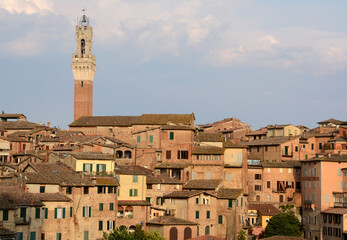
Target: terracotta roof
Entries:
(328, 158)
(105, 181)
(53, 173)
(144, 119)
(269, 141)
(233, 145)
(208, 150)
(262, 131)
(172, 165)
(111, 121)
(92, 156)
(184, 194)
(52, 197)
(331, 120)
(176, 127)
(265, 209)
(284, 164)
(133, 203)
(14, 125)
(206, 237)
(206, 184)
(164, 119)
(11, 115)
(7, 233)
(127, 170)
(210, 137)
(120, 142)
(277, 126)
(228, 193)
(169, 220)
(340, 211)
(12, 197)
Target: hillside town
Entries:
(165, 172)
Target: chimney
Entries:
(48, 124)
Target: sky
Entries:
(264, 62)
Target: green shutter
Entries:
(111, 206)
(100, 225)
(55, 213)
(230, 203)
(172, 135)
(130, 192)
(135, 192)
(104, 167)
(197, 214)
(208, 214)
(63, 212)
(220, 219)
(98, 167)
(135, 178)
(241, 202)
(91, 167)
(37, 212)
(84, 167)
(71, 212)
(5, 215)
(151, 138)
(46, 213)
(90, 211)
(21, 236)
(101, 206)
(138, 139)
(84, 211)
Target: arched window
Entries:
(132, 228)
(119, 154)
(207, 230)
(127, 154)
(120, 212)
(187, 176)
(129, 212)
(257, 198)
(173, 233)
(187, 233)
(83, 46)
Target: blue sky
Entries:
(264, 62)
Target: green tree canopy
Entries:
(285, 224)
(122, 233)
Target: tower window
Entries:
(81, 83)
(83, 46)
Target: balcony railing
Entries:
(340, 204)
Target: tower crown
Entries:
(84, 21)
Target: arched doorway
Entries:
(187, 233)
(207, 230)
(173, 233)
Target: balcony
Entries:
(340, 204)
(22, 221)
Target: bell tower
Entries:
(83, 68)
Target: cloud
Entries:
(27, 6)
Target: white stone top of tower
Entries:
(84, 21)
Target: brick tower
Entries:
(83, 68)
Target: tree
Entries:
(122, 233)
(284, 224)
(241, 235)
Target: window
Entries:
(101, 167)
(110, 189)
(32, 235)
(86, 235)
(159, 186)
(289, 170)
(58, 236)
(87, 211)
(37, 213)
(110, 225)
(85, 190)
(265, 148)
(68, 190)
(220, 219)
(46, 213)
(135, 178)
(111, 206)
(138, 140)
(208, 215)
(149, 186)
(239, 157)
(268, 184)
(133, 192)
(208, 175)
(228, 177)
(100, 225)
(312, 146)
(268, 198)
(5, 215)
(151, 138)
(305, 172)
(258, 149)
(59, 213)
(230, 203)
(101, 207)
(296, 149)
(101, 189)
(42, 189)
(182, 154)
(320, 146)
(168, 154)
(257, 187)
(314, 172)
(148, 199)
(194, 174)
(172, 135)
(197, 214)
(87, 167)
(71, 211)
(257, 177)
(281, 170)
